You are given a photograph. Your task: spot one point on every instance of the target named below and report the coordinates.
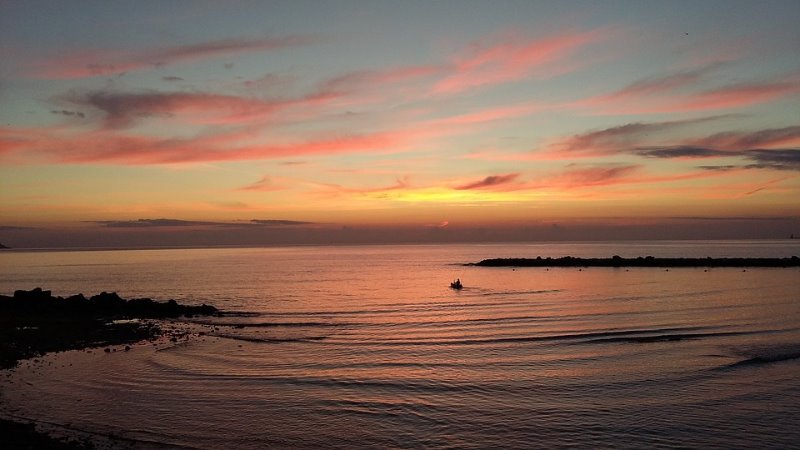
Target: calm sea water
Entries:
(367, 347)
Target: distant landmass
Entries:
(647, 261)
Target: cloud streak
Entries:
(265, 184)
(125, 109)
(489, 182)
(93, 63)
(627, 139)
(511, 57)
(178, 223)
(672, 94)
(618, 139)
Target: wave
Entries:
(547, 291)
(270, 340)
(276, 324)
(768, 356)
(669, 337)
(638, 335)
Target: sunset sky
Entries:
(197, 123)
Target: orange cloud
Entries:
(399, 184)
(580, 178)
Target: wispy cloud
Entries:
(782, 159)
(778, 159)
(732, 96)
(265, 184)
(760, 147)
(153, 223)
(92, 63)
(278, 222)
(369, 79)
(742, 140)
(618, 139)
(489, 114)
(124, 109)
(582, 177)
(491, 181)
(680, 151)
(402, 183)
(687, 92)
(512, 56)
(111, 146)
(657, 85)
(178, 223)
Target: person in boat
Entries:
(456, 284)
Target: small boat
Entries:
(456, 285)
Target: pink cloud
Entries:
(735, 96)
(376, 78)
(490, 114)
(92, 63)
(512, 57)
(111, 145)
(742, 140)
(667, 95)
(103, 146)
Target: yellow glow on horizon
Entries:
(451, 196)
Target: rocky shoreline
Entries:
(647, 261)
(35, 322)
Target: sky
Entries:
(305, 122)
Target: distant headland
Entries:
(646, 261)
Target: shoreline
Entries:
(34, 323)
(647, 261)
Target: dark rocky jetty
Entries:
(647, 261)
(35, 322)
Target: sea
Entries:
(368, 347)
